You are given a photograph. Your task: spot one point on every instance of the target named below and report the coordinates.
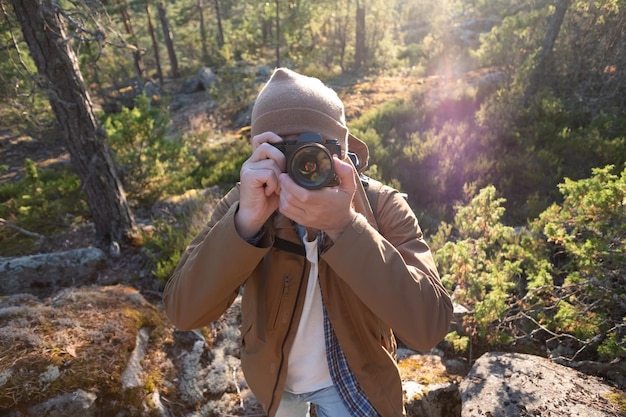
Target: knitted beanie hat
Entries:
(292, 103)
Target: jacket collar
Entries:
(359, 147)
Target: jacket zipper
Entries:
(276, 317)
(282, 346)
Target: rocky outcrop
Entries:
(107, 351)
(42, 273)
(513, 384)
(430, 384)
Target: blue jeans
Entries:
(327, 402)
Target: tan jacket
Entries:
(370, 284)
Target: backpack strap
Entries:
(288, 246)
(372, 189)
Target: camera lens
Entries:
(311, 166)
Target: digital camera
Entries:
(309, 160)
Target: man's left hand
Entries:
(328, 209)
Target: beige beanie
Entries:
(292, 103)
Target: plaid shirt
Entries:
(349, 390)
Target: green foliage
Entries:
(507, 46)
(23, 105)
(171, 235)
(220, 164)
(611, 347)
(430, 146)
(562, 276)
(166, 245)
(217, 165)
(387, 130)
(481, 261)
(586, 234)
(42, 202)
(460, 344)
(150, 164)
(527, 151)
(236, 89)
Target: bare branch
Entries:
(22, 231)
(13, 39)
(95, 35)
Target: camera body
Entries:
(309, 160)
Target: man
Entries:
(325, 280)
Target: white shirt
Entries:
(307, 368)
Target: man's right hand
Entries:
(259, 184)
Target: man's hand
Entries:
(328, 209)
(260, 185)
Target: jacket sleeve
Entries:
(211, 270)
(393, 272)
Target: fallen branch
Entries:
(22, 231)
(593, 367)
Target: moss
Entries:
(424, 370)
(87, 334)
(618, 399)
(142, 318)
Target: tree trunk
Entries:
(220, 29)
(169, 43)
(545, 53)
(155, 44)
(60, 77)
(343, 36)
(359, 51)
(267, 28)
(277, 34)
(203, 36)
(139, 67)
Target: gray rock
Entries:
(45, 273)
(152, 90)
(133, 374)
(75, 404)
(433, 400)
(202, 81)
(511, 384)
(207, 78)
(429, 389)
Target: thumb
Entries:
(345, 172)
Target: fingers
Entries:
(264, 151)
(328, 208)
(293, 200)
(265, 137)
(265, 180)
(260, 186)
(267, 151)
(262, 168)
(345, 172)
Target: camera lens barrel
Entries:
(311, 166)
(310, 160)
